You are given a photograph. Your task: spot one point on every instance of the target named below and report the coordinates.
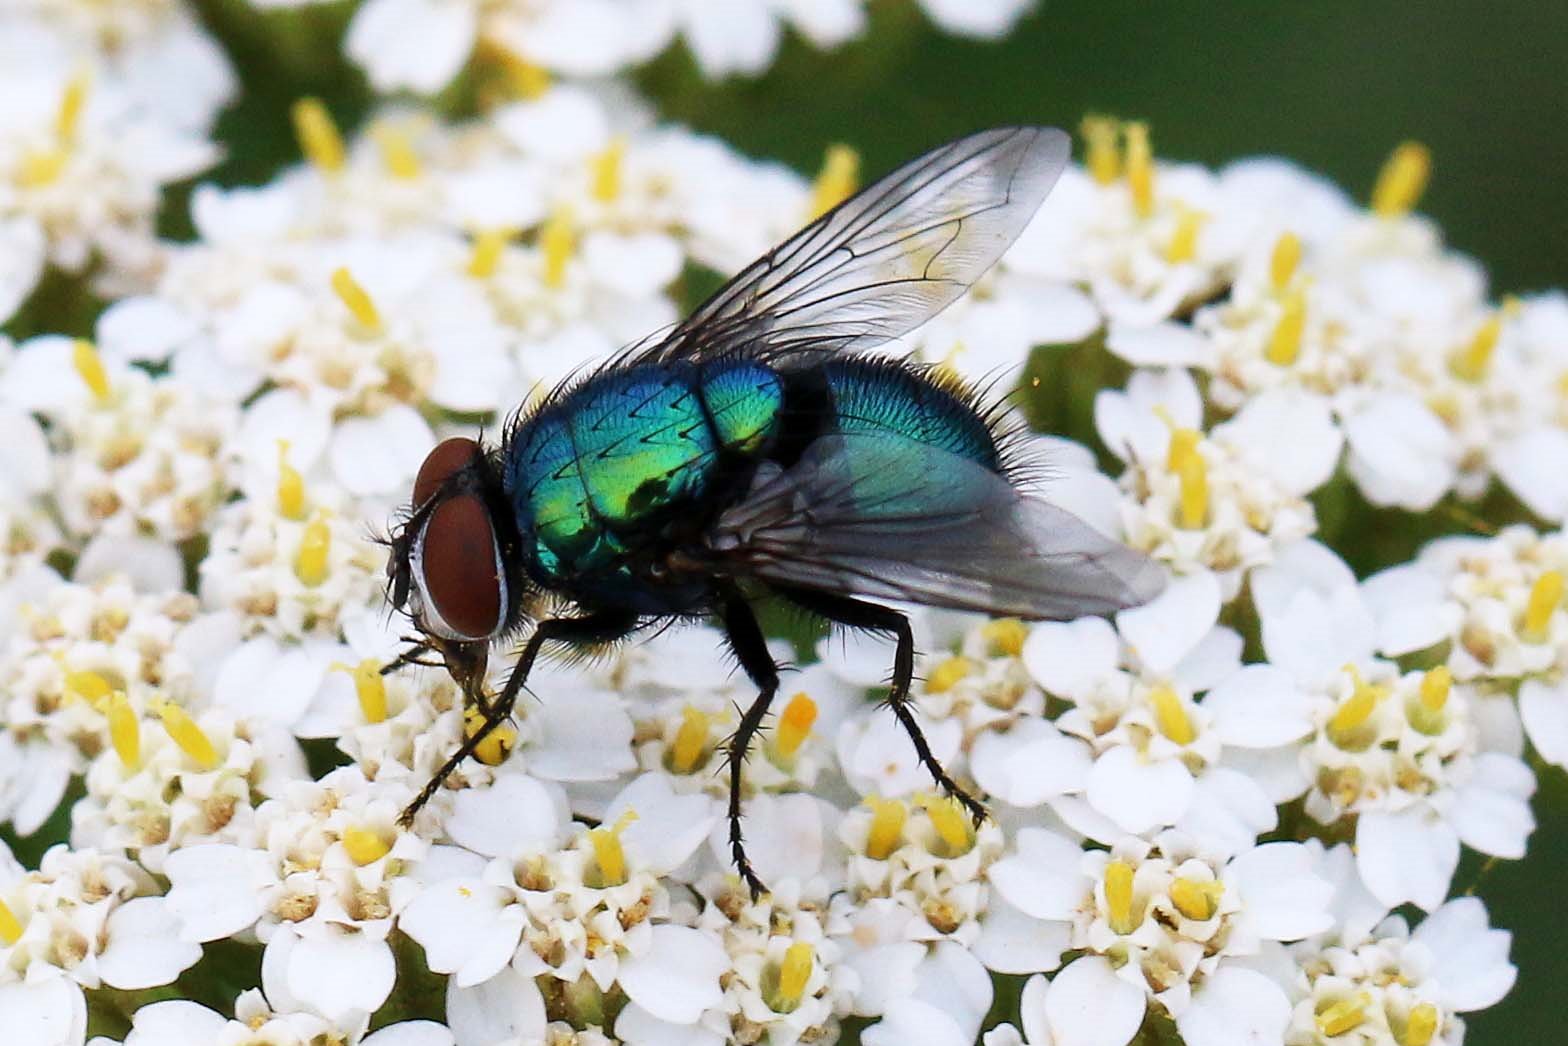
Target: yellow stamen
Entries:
(370, 687)
(1184, 459)
(1197, 900)
(1402, 180)
(1005, 636)
(89, 366)
(1140, 168)
(1285, 340)
(793, 974)
(397, 150)
(182, 729)
(1343, 1016)
(837, 181)
(951, 824)
(558, 238)
(1546, 595)
(497, 745)
(606, 167)
(365, 845)
(41, 167)
(291, 485)
(1118, 897)
(89, 686)
(1435, 686)
(72, 102)
(1471, 362)
(1171, 717)
(486, 255)
(1284, 261)
(1183, 246)
(1421, 1027)
(691, 740)
(795, 725)
(318, 136)
(125, 731)
(887, 826)
(946, 675)
(1102, 156)
(607, 851)
(355, 298)
(310, 562)
(10, 926)
(1345, 726)
(526, 80)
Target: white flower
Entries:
(1085, 1004)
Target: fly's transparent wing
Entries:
(887, 259)
(889, 517)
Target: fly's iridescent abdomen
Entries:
(598, 476)
(873, 396)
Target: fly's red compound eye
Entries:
(448, 456)
(459, 570)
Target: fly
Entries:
(759, 449)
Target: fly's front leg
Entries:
(855, 613)
(751, 648)
(594, 628)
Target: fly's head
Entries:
(453, 564)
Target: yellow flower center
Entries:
(1344, 1015)
(1545, 597)
(836, 181)
(1118, 897)
(691, 740)
(794, 971)
(1171, 717)
(947, 674)
(1005, 636)
(91, 687)
(1184, 459)
(318, 136)
(1347, 727)
(558, 238)
(365, 845)
(310, 562)
(1284, 260)
(606, 169)
(183, 731)
(1183, 245)
(125, 731)
(954, 833)
(887, 827)
(398, 155)
(41, 167)
(1426, 714)
(1140, 168)
(486, 254)
(1197, 899)
(10, 926)
(291, 485)
(526, 80)
(1285, 340)
(355, 298)
(607, 852)
(1402, 180)
(370, 687)
(1421, 1026)
(1102, 157)
(89, 367)
(497, 745)
(72, 103)
(794, 725)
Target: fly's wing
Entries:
(889, 517)
(887, 259)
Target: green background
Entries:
(1332, 85)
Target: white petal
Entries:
(410, 1033)
(150, 564)
(29, 469)
(1544, 709)
(1235, 1007)
(1164, 630)
(1531, 466)
(1012, 942)
(507, 1007)
(1043, 878)
(175, 1022)
(1068, 658)
(1138, 795)
(380, 455)
(1289, 436)
(145, 948)
(466, 928)
(1491, 811)
(1228, 812)
(22, 253)
(1168, 344)
(1408, 856)
(1411, 608)
(635, 1026)
(1030, 763)
(1401, 454)
(584, 734)
(417, 44)
(910, 1022)
(785, 836)
(265, 681)
(50, 1012)
(955, 982)
(1259, 707)
(678, 976)
(1088, 1005)
(340, 973)
(669, 827)
(217, 890)
(1282, 896)
(1470, 958)
(142, 328)
(513, 817)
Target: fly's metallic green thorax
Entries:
(591, 473)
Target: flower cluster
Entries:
(1205, 811)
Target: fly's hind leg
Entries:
(872, 617)
(590, 629)
(746, 639)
